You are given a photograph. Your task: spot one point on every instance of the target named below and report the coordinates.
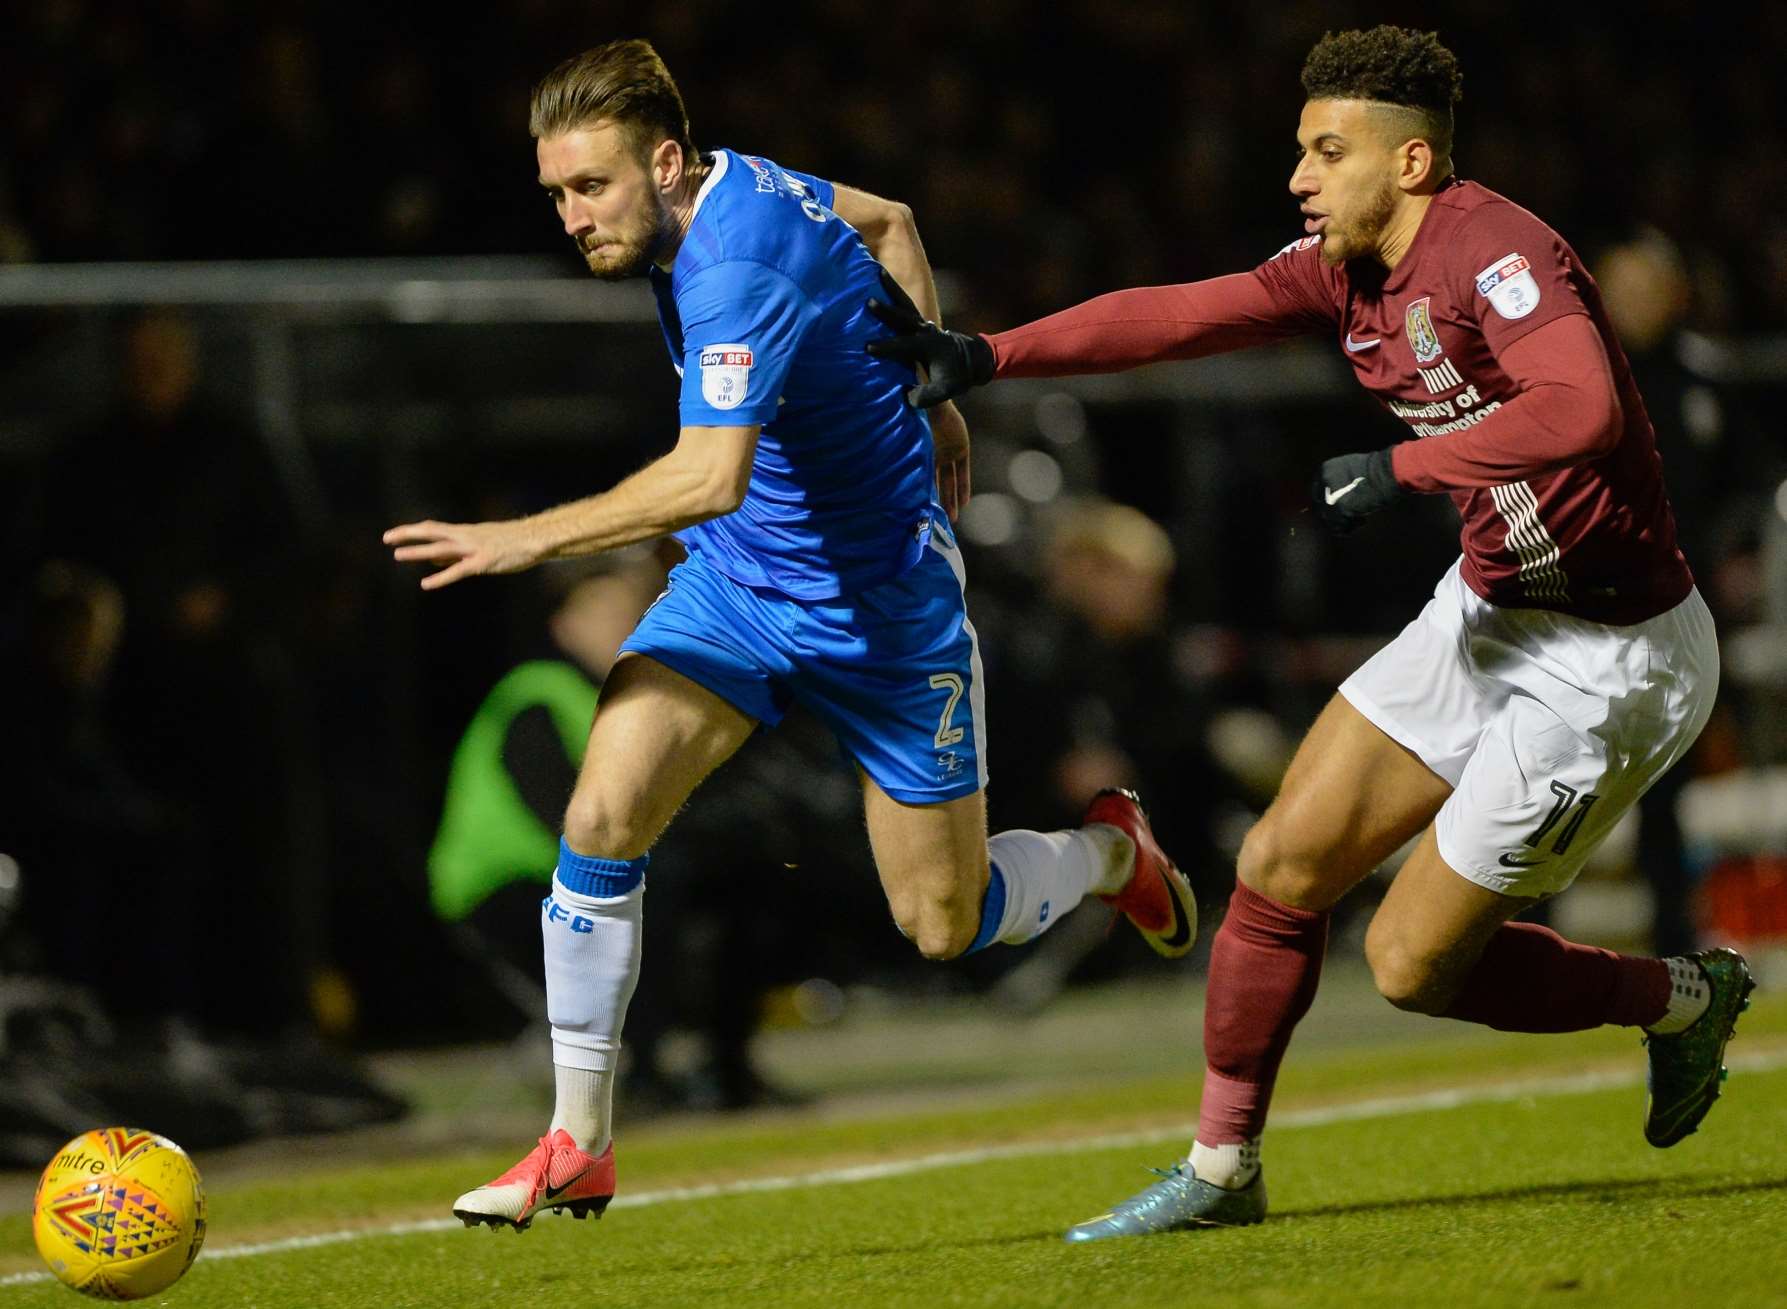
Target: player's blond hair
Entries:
(1098, 526)
(623, 82)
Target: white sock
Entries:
(592, 965)
(584, 1106)
(1117, 857)
(1048, 873)
(1689, 995)
(1231, 1166)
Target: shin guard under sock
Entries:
(1039, 876)
(590, 927)
(1265, 963)
(1530, 979)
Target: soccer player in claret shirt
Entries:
(1562, 665)
(821, 569)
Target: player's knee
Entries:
(941, 926)
(1407, 978)
(1280, 871)
(595, 827)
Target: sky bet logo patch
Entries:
(1509, 285)
(725, 375)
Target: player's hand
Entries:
(949, 363)
(949, 436)
(1350, 488)
(464, 548)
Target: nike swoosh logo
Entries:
(553, 1192)
(1181, 935)
(1509, 861)
(1339, 491)
(1361, 345)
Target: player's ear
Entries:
(1423, 165)
(1415, 164)
(668, 164)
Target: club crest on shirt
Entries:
(1423, 340)
(725, 375)
(1509, 285)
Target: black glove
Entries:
(954, 361)
(1351, 487)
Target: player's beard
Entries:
(1359, 234)
(629, 253)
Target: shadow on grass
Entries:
(791, 1260)
(1609, 1190)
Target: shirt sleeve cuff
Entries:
(1405, 467)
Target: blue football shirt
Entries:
(765, 313)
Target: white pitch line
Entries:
(1381, 1107)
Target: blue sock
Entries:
(601, 878)
(992, 911)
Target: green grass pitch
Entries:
(1544, 1194)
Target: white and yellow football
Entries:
(119, 1213)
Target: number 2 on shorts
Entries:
(946, 734)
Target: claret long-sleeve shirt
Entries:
(1546, 451)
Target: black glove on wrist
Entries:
(953, 361)
(1351, 487)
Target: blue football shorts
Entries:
(893, 670)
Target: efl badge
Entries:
(1509, 284)
(1423, 340)
(725, 375)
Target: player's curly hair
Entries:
(624, 82)
(1392, 66)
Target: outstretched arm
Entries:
(706, 475)
(1150, 324)
(889, 230)
(1124, 329)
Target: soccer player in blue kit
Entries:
(821, 569)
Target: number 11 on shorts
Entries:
(1566, 796)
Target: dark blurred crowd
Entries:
(1048, 154)
(233, 726)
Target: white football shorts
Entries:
(1548, 727)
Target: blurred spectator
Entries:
(176, 503)
(1086, 692)
(105, 859)
(101, 1017)
(1123, 713)
(1649, 293)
